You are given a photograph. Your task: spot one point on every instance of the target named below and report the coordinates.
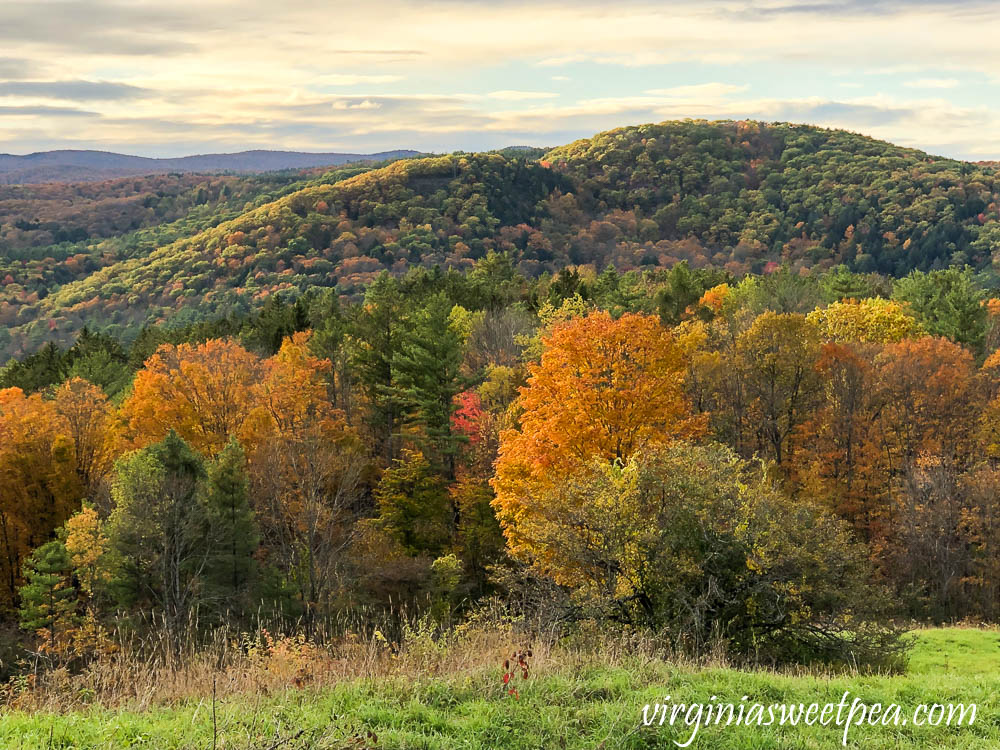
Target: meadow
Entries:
(574, 697)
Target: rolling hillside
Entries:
(81, 166)
(742, 196)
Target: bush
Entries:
(696, 543)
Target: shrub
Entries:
(696, 543)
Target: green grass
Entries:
(585, 707)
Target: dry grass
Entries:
(138, 673)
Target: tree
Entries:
(98, 359)
(159, 532)
(376, 333)
(202, 392)
(89, 418)
(39, 487)
(231, 568)
(694, 541)
(48, 599)
(479, 538)
(306, 468)
(683, 289)
(87, 546)
(873, 320)
(604, 389)
(427, 375)
(840, 461)
(414, 506)
(926, 392)
(777, 359)
(947, 303)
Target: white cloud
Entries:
(516, 96)
(699, 91)
(932, 83)
(256, 77)
(363, 104)
(346, 79)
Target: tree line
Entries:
(787, 462)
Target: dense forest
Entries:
(731, 384)
(745, 197)
(791, 462)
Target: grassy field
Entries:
(569, 705)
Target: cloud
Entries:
(17, 67)
(932, 83)
(102, 27)
(372, 53)
(363, 104)
(516, 96)
(352, 79)
(72, 90)
(339, 76)
(45, 112)
(699, 91)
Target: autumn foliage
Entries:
(604, 389)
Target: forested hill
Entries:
(69, 165)
(742, 196)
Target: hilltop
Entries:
(741, 196)
(83, 166)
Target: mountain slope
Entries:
(80, 166)
(737, 195)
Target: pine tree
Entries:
(377, 335)
(414, 506)
(48, 599)
(427, 372)
(231, 569)
(157, 531)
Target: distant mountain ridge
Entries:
(741, 196)
(92, 166)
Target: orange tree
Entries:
(39, 488)
(203, 391)
(604, 389)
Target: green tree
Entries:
(48, 599)
(427, 375)
(158, 531)
(947, 303)
(414, 506)
(231, 570)
(376, 333)
(692, 540)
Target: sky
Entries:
(198, 76)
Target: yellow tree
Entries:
(204, 392)
(87, 545)
(873, 320)
(306, 466)
(777, 360)
(88, 417)
(39, 488)
(604, 389)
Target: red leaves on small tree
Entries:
(519, 665)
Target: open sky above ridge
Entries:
(169, 79)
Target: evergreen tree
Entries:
(45, 367)
(947, 303)
(158, 531)
(231, 570)
(276, 321)
(48, 599)
(414, 506)
(377, 333)
(329, 341)
(427, 372)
